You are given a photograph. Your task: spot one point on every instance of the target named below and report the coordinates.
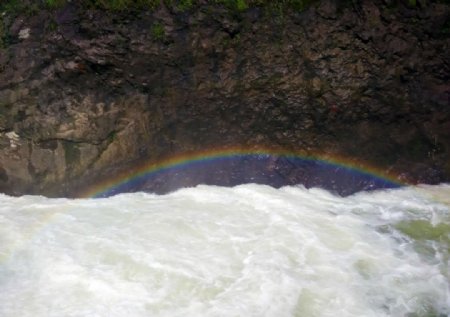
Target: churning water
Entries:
(251, 250)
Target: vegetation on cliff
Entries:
(31, 7)
(119, 5)
(182, 5)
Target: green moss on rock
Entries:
(158, 32)
(183, 5)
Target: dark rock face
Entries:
(272, 170)
(84, 94)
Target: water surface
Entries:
(250, 250)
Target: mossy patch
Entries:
(54, 3)
(158, 31)
(112, 136)
(10, 5)
(183, 5)
(119, 5)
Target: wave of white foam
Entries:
(251, 250)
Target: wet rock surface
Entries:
(85, 94)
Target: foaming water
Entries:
(251, 250)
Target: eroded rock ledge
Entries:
(85, 93)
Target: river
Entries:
(249, 250)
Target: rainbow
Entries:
(147, 169)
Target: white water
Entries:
(210, 251)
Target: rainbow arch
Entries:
(113, 185)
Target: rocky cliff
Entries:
(85, 93)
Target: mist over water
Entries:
(236, 168)
(250, 250)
